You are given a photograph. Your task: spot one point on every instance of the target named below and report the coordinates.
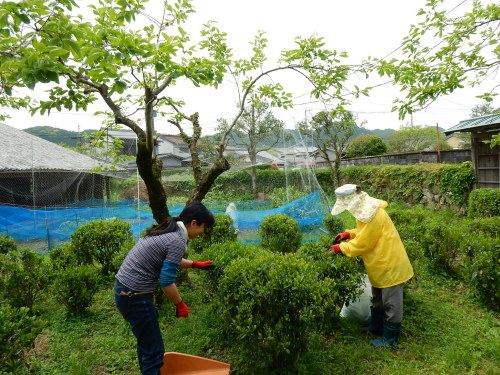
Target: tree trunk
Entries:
(253, 172)
(208, 178)
(336, 174)
(254, 179)
(150, 171)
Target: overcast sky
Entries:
(361, 27)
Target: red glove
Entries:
(336, 249)
(182, 310)
(207, 265)
(341, 237)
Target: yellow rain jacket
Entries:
(380, 246)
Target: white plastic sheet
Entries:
(359, 309)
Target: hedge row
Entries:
(72, 273)
(464, 248)
(452, 183)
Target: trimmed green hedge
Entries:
(484, 202)
(403, 183)
(269, 306)
(465, 248)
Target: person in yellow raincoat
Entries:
(377, 241)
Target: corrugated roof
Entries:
(122, 134)
(21, 151)
(475, 123)
(176, 139)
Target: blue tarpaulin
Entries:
(58, 222)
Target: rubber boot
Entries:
(389, 336)
(376, 322)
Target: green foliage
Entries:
(63, 257)
(366, 145)
(331, 131)
(451, 245)
(484, 202)
(483, 270)
(444, 50)
(75, 287)
(268, 307)
(395, 183)
(25, 277)
(257, 123)
(407, 183)
(18, 331)
(280, 233)
(413, 138)
(285, 195)
(222, 231)
(456, 182)
(333, 224)
(444, 247)
(346, 273)
(102, 241)
(495, 140)
(223, 196)
(7, 244)
(223, 254)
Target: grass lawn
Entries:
(444, 332)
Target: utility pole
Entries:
(437, 140)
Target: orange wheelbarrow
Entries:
(185, 364)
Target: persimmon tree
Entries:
(129, 60)
(447, 50)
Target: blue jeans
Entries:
(141, 313)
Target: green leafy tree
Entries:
(366, 145)
(445, 51)
(331, 131)
(113, 58)
(483, 110)
(414, 138)
(257, 123)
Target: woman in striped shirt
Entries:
(158, 256)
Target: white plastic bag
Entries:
(359, 309)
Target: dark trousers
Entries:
(141, 313)
(390, 300)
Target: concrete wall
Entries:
(450, 157)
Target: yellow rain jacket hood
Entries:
(381, 248)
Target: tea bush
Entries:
(76, 287)
(280, 233)
(222, 254)
(482, 270)
(484, 202)
(268, 307)
(346, 274)
(63, 257)
(18, 331)
(444, 247)
(222, 231)
(26, 276)
(333, 224)
(7, 244)
(100, 241)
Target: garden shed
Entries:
(38, 173)
(486, 160)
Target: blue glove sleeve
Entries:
(168, 273)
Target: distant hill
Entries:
(56, 135)
(382, 133)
